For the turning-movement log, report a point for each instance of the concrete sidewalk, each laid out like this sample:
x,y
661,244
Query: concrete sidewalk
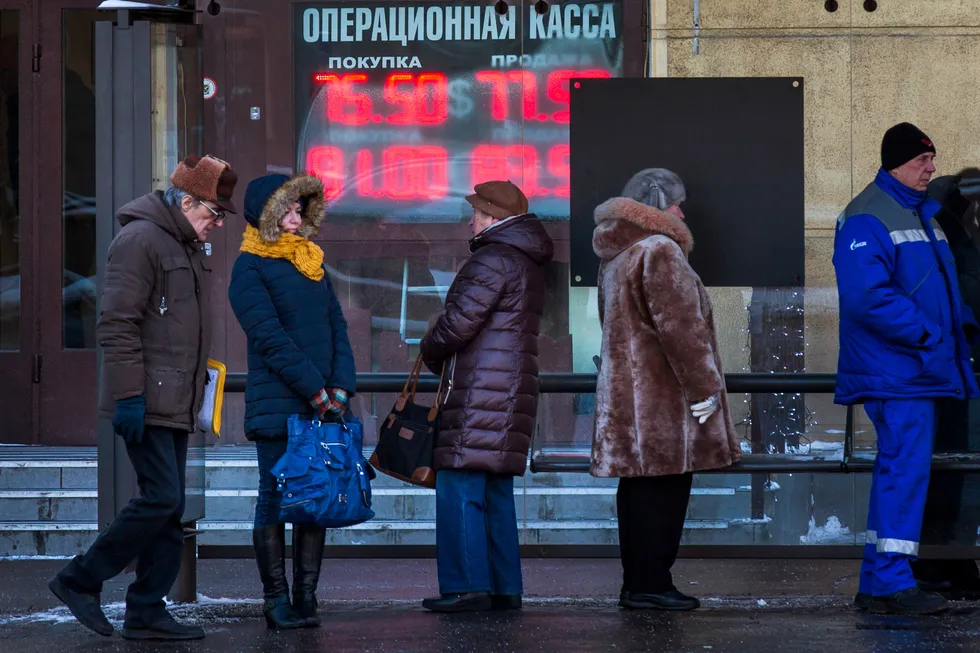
x,y
373,605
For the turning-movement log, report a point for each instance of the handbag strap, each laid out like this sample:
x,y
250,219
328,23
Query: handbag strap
x,y
411,385
434,411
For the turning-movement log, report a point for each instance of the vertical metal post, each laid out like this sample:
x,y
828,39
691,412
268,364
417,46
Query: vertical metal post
x,y
185,589
124,168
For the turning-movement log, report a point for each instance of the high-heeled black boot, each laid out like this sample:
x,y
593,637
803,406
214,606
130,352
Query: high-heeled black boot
x,y
307,559
270,555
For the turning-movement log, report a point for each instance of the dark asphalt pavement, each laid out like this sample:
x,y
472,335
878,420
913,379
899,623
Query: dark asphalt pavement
x,y
372,605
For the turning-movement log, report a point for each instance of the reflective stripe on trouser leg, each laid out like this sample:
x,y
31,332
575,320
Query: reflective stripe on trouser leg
x,y
870,542
901,480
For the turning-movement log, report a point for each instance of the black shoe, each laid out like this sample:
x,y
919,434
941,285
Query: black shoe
x,y
87,608
270,556
672,600
469,602
910,601
505,601
161,626
862,601
307,559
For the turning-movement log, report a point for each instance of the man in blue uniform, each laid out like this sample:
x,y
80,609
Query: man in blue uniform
x,y
903,345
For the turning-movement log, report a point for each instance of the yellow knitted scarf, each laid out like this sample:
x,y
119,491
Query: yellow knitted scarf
x,y
303,253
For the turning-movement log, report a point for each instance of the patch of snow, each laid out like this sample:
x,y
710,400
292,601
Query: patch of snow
x,y
207,600
2,558
762,603
772,486
745,446
765,520
833,532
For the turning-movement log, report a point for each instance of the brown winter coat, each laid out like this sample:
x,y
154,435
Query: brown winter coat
x,y
659,351
489,333
154,326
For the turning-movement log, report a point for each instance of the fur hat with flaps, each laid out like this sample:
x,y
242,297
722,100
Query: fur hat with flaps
x,y
269,198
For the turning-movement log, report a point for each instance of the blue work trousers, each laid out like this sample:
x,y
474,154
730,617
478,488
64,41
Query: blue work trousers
x,y
899,487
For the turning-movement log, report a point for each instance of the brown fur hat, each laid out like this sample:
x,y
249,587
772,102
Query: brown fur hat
x,y
207,178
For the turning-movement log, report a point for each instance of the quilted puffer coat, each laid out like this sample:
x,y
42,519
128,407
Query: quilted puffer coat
x,y
489,334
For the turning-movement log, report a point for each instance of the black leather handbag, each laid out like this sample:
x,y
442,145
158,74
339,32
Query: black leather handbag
x,y
408,435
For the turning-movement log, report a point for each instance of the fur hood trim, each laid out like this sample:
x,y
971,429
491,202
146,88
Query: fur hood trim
x,y
622,222
306,189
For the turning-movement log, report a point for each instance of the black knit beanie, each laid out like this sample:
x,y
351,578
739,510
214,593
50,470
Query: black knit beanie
x,y
902,143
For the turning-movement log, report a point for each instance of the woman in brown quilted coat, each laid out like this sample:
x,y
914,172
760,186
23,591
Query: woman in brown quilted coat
x,y
661,408
488,334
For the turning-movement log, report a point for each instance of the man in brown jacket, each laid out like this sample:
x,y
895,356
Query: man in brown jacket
x,y
488,334
155,333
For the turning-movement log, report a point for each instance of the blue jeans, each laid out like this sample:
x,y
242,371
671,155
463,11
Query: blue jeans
x,y
477,546
268,453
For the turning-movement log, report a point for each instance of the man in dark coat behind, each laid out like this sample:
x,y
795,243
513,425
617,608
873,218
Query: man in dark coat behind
x,y
155,333
488,335
953,503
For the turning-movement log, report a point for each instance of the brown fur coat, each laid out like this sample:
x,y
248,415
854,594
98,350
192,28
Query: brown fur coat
x,y
659,351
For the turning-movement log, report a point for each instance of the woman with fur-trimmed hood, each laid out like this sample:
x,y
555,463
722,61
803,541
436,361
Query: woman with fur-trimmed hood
x,y
661,407
299,362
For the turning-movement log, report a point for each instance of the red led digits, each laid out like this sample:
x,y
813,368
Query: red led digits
x,y
558,167
558,88
327,163
344,104
518,163
432,98
498,92
394,94
407,172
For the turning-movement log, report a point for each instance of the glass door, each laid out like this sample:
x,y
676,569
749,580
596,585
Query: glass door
x,y
17,346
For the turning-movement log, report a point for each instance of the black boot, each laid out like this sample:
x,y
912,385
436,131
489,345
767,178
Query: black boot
x,y
270,555
672,600
307,558
910,601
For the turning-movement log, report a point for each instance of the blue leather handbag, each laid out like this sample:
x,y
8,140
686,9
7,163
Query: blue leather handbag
x,y
323,477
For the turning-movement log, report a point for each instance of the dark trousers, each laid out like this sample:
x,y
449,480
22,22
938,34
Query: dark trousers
x,y
651,513
945,520
268,453
148,529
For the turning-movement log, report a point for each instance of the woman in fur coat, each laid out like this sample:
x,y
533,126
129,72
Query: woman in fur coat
x,y
299,362
661,407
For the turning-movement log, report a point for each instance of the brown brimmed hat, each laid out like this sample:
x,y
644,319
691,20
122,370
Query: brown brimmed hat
x,y
500,199
207,178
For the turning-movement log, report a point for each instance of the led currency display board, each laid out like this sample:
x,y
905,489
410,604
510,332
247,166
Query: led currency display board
x,y
403,107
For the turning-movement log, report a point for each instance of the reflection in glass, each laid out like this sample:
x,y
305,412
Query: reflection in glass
x,y
78,178
9,185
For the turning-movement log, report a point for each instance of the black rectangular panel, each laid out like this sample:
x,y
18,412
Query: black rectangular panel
x,y
736,142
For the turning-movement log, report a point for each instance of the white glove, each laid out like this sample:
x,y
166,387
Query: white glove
x,y
705,409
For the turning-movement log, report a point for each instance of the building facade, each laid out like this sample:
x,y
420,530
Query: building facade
x,y
400,107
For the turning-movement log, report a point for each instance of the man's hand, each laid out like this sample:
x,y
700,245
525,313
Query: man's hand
x,y
129,419
705,409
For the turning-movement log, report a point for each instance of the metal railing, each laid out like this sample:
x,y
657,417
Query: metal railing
x,y
735,383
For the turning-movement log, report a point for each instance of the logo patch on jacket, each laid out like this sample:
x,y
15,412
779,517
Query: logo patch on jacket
x,y
855,244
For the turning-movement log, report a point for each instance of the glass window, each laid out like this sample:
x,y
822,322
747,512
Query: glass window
x,y
10,270
78,179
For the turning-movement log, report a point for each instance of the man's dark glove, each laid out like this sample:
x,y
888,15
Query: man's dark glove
x,y
129,419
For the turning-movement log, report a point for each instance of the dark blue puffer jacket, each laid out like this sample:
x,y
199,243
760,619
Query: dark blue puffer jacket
x,y
297,334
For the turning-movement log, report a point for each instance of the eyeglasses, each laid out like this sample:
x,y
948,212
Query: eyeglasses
x,y
218,215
